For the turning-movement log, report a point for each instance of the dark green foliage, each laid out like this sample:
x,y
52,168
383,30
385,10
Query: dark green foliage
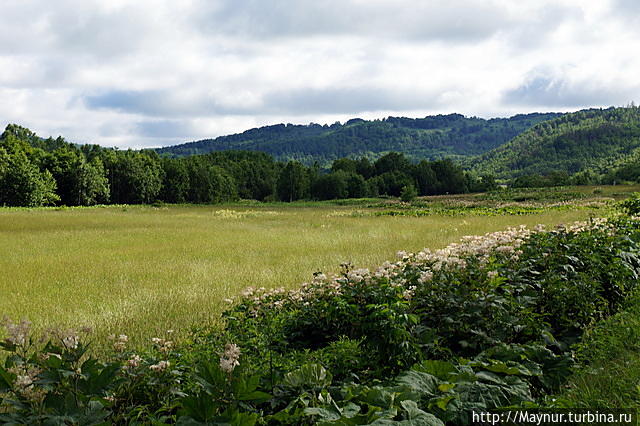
x,y
392,162
22,183
485,183
425,177
537,181
450,178
293,182
347,165
332,186
208,183
422,138
92,186
609,365
391,183
89,175
79,181
514,315
631,206
134,177
175,184
95,175
60,386
255,173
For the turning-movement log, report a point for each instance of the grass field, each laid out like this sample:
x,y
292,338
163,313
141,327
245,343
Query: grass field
x,y
142,270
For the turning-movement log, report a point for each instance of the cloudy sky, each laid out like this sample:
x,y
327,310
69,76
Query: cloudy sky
x,y
144,73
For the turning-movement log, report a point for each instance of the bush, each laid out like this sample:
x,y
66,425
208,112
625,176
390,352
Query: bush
x,y
408,193
631,206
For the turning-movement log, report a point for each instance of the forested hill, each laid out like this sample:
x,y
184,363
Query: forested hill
x,y
590,141
431,137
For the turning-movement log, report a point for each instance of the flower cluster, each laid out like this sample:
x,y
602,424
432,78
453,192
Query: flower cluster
x,y
600,223
160,366
69,338
133,362
230,358
120,342
425,264
162,345
25,382
18,333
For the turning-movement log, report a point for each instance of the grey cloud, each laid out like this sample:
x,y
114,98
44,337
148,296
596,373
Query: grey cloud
x,y
130,101
560,92
171,129
347,100
627,12
161,103
453,19
625,6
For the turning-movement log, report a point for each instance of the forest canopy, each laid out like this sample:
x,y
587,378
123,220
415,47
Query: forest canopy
x,y
430,138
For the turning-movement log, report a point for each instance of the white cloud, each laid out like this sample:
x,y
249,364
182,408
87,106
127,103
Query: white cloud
x,y
156,72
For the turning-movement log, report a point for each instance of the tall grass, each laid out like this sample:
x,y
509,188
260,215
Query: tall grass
x,y
143,270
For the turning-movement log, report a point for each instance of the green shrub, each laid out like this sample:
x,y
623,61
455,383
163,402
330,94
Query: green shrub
x,y
408,193
631,206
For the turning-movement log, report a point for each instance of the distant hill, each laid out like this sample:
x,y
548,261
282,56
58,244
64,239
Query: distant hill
x,y
589,140
432,137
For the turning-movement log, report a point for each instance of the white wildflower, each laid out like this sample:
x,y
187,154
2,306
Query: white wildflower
x,y
160,366
229,359
425,277
18,332
134,361
71,341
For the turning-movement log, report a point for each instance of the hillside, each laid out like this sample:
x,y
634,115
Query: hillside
x,y
431,137
590,140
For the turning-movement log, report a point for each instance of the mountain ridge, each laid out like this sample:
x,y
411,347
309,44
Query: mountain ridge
x,y
431,137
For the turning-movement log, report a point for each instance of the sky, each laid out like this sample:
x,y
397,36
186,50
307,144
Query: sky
x,y
148,73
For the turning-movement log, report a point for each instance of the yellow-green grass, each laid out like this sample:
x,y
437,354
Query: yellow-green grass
x,y
143,270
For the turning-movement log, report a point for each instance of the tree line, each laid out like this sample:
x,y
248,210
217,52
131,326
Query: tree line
x,y
36,172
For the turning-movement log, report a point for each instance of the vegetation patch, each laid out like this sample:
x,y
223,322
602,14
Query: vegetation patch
x,y
489,322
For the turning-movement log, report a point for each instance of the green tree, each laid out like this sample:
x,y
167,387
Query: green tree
x,y
392,162
330,186
175,184
345,164
135,177
391,183
23,184
293,183
364,168
209,183
356,186
408,193
451,179
425,178
92,186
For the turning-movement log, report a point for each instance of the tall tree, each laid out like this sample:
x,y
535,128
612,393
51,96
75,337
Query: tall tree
x,y
23,184
293,183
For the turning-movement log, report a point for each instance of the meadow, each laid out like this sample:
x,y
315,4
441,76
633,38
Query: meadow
x,y
530,317
142,270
